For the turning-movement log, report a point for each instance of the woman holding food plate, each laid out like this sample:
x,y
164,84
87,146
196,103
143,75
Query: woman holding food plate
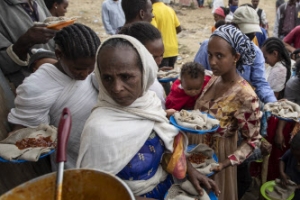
x,y
230,99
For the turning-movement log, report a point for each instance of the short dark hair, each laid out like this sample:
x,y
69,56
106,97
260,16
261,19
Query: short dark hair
x,y
120,42
142,31
226,10
49,3
132,8
295,143
77,41
193,69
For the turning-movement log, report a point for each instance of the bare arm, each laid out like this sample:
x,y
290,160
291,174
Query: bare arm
x,y
178,29
289,47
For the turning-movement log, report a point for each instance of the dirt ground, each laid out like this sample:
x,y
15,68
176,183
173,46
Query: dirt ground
x,y
196,23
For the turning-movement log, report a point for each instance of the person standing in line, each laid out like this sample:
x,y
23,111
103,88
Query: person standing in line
x,y
57,8
263,22
287,18
166,21
292,40
112,16
19,34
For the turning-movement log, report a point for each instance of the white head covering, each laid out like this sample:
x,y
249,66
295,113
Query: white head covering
x,y
113,134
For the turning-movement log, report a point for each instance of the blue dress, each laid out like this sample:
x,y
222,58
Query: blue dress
x,y
144,165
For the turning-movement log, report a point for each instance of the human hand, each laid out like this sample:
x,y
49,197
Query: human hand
x,y
284,178
198,179
279,140
39,34
170,112
217,168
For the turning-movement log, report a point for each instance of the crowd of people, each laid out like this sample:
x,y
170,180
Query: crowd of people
x,y
120,110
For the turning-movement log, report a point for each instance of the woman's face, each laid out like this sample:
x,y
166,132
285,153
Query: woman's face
x,y
220,56
61,8
270,58
156,48
121,74
77,69
218,17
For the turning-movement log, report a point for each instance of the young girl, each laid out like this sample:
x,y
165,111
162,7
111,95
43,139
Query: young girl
x,y
185,92
219,14
290,165
278,58
67,83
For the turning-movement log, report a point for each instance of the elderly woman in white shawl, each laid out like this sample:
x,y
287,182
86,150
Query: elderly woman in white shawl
x,y
128,131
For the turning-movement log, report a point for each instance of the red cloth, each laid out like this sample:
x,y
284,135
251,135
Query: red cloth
x,y
177,99
293,38
273,168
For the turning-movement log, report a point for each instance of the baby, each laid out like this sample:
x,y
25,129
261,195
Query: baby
x,y
185,92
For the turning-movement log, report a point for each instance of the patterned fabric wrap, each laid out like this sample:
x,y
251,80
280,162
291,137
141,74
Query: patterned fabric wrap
x,y
145,164
146,161
239,42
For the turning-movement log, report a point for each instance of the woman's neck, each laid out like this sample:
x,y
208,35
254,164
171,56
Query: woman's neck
x,y
230,77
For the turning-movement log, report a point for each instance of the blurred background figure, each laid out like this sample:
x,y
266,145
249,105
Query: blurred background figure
x,y
57,8
263,22
112,16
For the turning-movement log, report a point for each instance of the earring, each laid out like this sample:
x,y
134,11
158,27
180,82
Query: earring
x,y
55,7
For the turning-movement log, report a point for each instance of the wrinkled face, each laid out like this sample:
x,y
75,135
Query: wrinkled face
x,y
218,17
77,69
62,8
191,86
156,48
220,56
147,14
121,74
255,3
270,58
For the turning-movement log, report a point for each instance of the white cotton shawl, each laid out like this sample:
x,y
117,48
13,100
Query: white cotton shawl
x,y
44,94
114,134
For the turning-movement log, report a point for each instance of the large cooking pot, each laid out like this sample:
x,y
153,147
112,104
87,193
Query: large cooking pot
x,y
78,184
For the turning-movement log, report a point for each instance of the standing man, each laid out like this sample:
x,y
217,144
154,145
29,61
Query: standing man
x,y
112,16
137,10
166,21
287,18
261,14
19,34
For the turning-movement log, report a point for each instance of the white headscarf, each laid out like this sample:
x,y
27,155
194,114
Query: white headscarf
x,y
113,134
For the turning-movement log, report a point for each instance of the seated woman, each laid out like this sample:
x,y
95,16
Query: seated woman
x,y
230,99
128,132
68,83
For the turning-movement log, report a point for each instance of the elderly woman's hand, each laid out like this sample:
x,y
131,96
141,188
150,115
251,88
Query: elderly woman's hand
x,y
198,179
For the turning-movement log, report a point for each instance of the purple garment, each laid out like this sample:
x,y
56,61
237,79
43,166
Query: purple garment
x,y
289,19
